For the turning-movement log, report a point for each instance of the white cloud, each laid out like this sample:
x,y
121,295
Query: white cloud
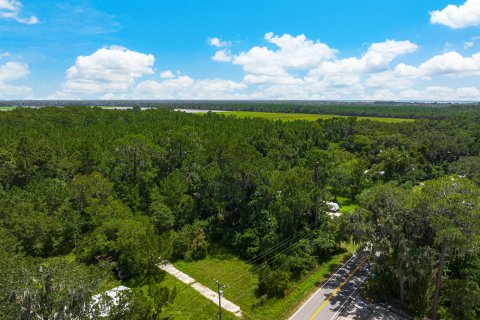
x,y
115,96
4,55
451,64
441,93
377,58
347,76
390,79
111,69
457,17
470,43
222,56
10,91
11,10
12,71
218,43
185,87
429,93
288,67
166,74
263,65
383,95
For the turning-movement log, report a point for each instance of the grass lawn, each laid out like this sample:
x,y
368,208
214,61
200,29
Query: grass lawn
x,y
346,205
303,116
241,282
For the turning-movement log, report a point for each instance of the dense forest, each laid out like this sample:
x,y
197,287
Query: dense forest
x,y
410,110
88,194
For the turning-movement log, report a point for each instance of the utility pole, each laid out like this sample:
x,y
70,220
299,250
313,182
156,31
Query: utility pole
x,y
220,293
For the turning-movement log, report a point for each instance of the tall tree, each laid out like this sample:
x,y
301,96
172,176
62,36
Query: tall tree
x,y
454,210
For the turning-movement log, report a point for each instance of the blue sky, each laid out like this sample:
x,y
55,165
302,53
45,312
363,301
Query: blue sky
x,y
336,49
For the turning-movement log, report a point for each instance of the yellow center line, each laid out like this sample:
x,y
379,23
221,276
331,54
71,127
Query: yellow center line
x,y
334,293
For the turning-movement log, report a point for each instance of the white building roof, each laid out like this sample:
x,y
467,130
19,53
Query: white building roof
x,y
333,206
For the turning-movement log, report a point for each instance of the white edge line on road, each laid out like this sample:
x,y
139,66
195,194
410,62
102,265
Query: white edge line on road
x,y
313,295
349,297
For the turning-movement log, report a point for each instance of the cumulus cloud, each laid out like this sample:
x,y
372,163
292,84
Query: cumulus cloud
x,y
12,9
450,64
116,72
441,93
287,67
9,72
263,65
350,71
13,71
111,69
218,43
377,58
222,56
166,74
185,87
457,17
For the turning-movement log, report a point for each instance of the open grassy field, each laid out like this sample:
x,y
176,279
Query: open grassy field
x,y
241,282
303,116
6,108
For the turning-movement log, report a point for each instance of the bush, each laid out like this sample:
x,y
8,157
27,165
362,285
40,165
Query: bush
x,y
190,243
273,283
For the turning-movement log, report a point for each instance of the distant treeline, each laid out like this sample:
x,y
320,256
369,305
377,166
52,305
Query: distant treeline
x,y
412,110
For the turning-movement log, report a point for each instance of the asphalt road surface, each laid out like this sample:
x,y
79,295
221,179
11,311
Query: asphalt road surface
x,y
328,301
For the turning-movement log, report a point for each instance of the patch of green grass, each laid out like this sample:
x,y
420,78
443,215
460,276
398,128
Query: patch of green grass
x,y
304,116
346,205
112,108
189,304
239,277
7,108
241,281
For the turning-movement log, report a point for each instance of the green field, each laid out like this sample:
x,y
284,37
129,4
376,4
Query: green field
x,y
304,116
6,108
241,282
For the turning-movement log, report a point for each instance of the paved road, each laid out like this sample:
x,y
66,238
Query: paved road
x,y
327,302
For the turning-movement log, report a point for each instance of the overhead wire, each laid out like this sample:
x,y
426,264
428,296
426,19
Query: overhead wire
x,y
256,258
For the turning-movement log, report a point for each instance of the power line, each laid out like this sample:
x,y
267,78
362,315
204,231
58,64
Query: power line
x,y
263,280
283,265
258,257
267,261
238,279
279,245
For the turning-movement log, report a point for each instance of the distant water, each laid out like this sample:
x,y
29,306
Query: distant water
x,y
197,111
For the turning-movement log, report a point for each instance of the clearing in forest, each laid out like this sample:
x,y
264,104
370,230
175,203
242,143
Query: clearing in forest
x,y
241,282
304,116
